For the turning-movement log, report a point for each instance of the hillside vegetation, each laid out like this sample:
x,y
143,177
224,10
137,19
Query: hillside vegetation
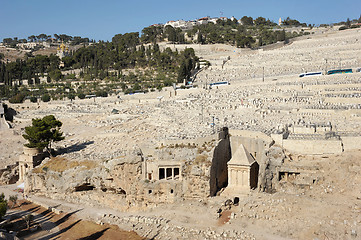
x,y
131,62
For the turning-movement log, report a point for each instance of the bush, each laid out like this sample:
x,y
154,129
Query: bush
x,y
55,75
3,205
45,98
101,94
33,99
128,91
28,218
71,76
18,98
13,199
81,95
71,96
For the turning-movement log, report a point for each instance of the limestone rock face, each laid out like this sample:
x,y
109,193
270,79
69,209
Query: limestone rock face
x,y
171,172
275,158
196,170
9,175
132,181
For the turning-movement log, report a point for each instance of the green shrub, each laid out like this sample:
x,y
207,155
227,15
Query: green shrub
x,y
81,95
33,99
3,205
45,98
71,76
101,94
71,96
18,98
55,75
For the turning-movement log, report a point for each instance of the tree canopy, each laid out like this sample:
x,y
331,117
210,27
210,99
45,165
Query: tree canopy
x,y
131,61
292,22
43,132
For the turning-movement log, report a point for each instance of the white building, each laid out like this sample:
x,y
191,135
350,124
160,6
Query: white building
x,y
28,45
62,51
184,25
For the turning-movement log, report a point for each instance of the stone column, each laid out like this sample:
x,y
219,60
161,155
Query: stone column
x,y
245,180
20,172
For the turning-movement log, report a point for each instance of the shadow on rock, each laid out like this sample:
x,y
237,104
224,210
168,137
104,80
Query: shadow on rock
x,y
74,148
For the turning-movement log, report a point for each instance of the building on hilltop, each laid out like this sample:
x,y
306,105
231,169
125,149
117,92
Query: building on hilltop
x,y
62,51
202,21
184,25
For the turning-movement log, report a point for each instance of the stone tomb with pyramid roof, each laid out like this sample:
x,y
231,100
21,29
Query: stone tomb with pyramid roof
x,y
242,171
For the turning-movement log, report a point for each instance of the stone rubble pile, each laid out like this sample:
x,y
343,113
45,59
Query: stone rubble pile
x,y
160,228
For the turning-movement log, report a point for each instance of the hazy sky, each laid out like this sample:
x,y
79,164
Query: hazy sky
x,y
102,19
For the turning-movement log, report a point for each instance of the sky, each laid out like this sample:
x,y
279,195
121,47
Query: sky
x,y
102,19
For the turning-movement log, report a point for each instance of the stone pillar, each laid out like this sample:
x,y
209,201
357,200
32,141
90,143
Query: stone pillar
x,y
248,176
20,172
245,180
235,177
145,169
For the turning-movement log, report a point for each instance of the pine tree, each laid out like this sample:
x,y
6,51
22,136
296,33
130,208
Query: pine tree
x,y
182,73
200,38
43,132
348,22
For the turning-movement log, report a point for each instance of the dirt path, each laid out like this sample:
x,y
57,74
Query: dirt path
x,y
72,223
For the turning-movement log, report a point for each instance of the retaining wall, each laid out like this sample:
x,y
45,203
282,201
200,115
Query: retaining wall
x,y
351,143
313,146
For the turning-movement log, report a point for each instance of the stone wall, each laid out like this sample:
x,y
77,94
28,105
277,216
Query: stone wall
x,y
351,143
313,146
